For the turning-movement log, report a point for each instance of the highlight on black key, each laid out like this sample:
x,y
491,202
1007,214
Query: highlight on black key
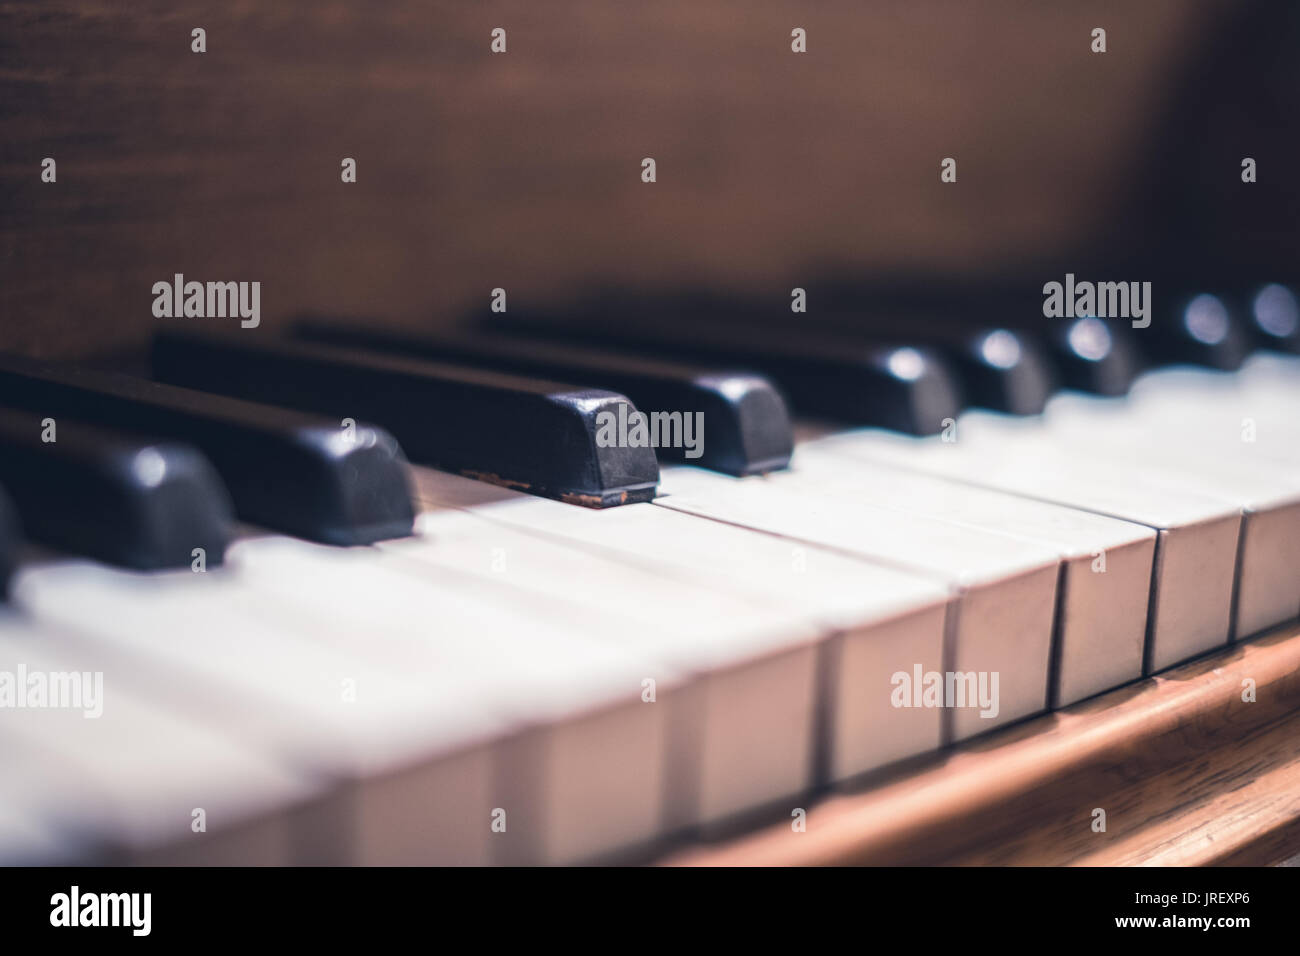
x,y
123,499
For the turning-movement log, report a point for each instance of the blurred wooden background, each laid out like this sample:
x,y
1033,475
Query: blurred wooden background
x,y
522,170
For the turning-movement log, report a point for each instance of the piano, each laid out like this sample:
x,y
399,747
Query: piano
x,y
640,546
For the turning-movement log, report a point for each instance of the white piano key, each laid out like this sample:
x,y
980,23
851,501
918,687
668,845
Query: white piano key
x,y
136,774
408,757
1196,546
27,840
1164,443
1106,563
586,774
881,621
30,833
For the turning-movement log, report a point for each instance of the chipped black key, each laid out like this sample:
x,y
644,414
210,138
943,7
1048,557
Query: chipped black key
x,y
902,388
10,540
108,495
550,439
302,474
730,421
1000,368
1090,354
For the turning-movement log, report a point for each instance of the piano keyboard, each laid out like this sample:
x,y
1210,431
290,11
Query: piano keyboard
x,y
242,628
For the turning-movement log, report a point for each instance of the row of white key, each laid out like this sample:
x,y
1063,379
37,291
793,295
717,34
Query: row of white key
x,y
423,733
1181,447
859,624
1105,563
1002,589
1196,545
261,650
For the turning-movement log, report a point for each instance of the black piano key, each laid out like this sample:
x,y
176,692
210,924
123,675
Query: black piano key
x,y
535,435
1271,313
298,473
1000,368
119,498
902,388
10,541
1195,328
1092,355
745,427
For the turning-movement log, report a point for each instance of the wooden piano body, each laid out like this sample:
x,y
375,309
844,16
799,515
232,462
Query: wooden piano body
x,y
521,171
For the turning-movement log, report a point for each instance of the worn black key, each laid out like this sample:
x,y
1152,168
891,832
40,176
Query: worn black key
x,y
902,388
730,421
1197,328
1271,313
539,436
302,474
120,498
1091,354
1000,368
10,540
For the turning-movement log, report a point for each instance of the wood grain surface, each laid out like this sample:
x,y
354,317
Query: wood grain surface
x,y
522,170
1187,772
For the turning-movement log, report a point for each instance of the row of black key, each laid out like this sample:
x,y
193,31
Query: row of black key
x,y
299,473
851,361
904,387
470,402
906,372
10,542
339,481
